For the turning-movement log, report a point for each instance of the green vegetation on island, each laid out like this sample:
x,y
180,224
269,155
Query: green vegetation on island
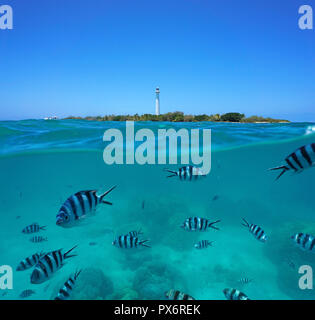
x,y
181,117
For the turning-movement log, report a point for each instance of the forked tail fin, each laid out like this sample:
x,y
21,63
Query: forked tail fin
x,y
211,225
66,255
246,223
283,168
174,173
142,243
106,193
77,274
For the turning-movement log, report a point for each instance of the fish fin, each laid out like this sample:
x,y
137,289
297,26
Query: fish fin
x,y
66,255
43,227
168,170
245,225
106,193
283,168
210,243
107,202
142,243
77,274
174,173
210,225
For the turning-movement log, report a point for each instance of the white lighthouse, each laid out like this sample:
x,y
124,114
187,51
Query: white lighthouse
x,y
157,101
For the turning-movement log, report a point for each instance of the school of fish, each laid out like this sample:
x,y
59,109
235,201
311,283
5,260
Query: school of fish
x,y
83,204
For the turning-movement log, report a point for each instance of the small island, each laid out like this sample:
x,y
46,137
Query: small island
x,y
181,117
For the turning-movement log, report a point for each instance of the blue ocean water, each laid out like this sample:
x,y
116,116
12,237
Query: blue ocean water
x,y
44,162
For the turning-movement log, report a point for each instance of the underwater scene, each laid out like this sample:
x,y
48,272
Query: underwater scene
x,y
74,227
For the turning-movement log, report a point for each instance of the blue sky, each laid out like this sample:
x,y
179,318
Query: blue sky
x,y
106,57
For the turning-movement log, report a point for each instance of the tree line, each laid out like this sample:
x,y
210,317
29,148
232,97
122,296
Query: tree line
x,y
179,116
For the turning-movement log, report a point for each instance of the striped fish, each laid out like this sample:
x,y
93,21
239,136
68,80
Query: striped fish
x,y
29,261
79,205
186,173
26,293
198,224
135,233
256,231
32,228
304,241
233,294
65,292
302,158
245,280
128,242
49,264
203,244
177,295
37,239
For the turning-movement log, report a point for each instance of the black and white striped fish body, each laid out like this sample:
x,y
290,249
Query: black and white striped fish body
x,y
37,239
79,205
66,291
128,242
198,224
26,293
244,280
304,241
135,233
29,261
33,228
299,160
203,244
256,231
187,173
49,264
234,294
178,295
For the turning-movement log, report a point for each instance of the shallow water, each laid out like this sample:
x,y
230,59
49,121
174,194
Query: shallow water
x,y
44,162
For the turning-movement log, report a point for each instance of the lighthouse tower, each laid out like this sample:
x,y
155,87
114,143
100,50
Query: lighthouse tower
x,y
157,101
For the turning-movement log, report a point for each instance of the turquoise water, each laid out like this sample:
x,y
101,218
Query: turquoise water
x,y
44,162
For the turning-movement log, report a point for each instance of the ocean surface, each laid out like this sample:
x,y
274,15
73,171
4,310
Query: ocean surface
x,y
42,163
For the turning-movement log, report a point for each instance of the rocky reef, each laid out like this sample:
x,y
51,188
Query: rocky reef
x,y
287,257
